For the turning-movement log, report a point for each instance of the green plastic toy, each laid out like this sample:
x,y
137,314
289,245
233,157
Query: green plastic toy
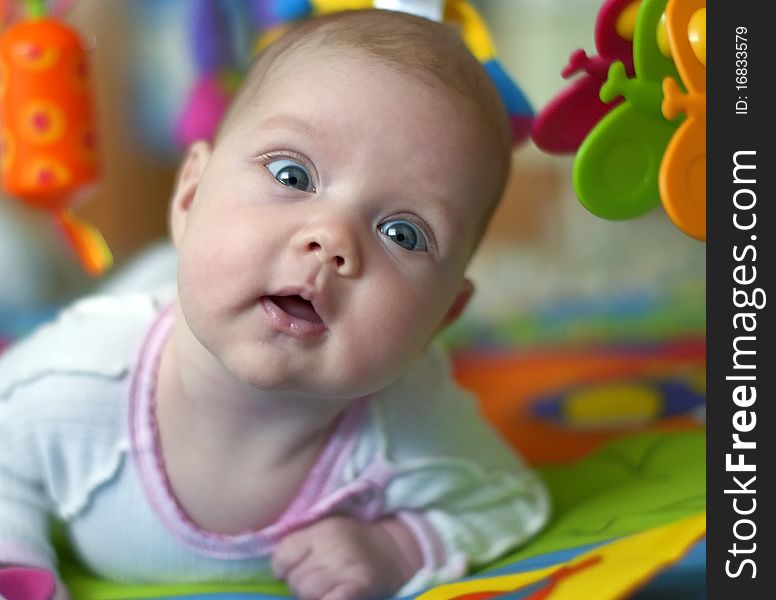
x,y
615,172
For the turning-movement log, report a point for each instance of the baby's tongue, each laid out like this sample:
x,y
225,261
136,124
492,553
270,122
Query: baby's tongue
x,y
298,307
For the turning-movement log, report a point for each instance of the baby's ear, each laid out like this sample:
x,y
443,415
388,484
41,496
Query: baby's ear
x,y
186,183
459,304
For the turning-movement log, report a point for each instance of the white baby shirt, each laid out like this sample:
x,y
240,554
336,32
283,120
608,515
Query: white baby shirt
x,y
78,441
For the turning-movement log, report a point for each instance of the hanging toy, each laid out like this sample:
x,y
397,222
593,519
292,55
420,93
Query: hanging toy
x,y
47,137
682,179
216,64
642,151
477,38
615,171
562,125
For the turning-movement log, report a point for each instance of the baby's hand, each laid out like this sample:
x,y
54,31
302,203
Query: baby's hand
x,y
340,558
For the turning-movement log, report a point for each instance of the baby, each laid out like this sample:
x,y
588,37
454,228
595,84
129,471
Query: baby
x,y
284,412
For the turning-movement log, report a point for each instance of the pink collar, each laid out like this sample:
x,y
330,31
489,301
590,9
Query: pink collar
x,y
317,496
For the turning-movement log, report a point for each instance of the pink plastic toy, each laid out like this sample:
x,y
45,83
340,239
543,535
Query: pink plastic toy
x,y
564,123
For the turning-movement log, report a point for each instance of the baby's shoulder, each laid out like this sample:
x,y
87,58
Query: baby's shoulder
x,y
426,390
96,337
426,413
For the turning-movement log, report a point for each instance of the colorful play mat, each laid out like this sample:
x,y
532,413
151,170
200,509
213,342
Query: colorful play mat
x,y
617,433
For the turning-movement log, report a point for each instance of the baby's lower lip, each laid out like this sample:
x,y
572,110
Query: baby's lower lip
x,y
289,324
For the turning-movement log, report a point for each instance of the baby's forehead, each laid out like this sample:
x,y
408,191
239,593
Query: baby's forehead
x,y
311,55
449,69
465,87
418,48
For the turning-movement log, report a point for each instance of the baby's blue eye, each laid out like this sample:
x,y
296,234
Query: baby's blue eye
x,y
291,174
405,234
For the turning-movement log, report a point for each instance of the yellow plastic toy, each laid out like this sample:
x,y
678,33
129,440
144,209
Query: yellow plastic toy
x,y
682,177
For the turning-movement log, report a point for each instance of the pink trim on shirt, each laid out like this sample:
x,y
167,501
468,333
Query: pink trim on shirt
x,y
431,548
328,468
314,500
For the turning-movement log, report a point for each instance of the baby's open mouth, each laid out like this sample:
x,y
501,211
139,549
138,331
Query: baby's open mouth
x,y
297,307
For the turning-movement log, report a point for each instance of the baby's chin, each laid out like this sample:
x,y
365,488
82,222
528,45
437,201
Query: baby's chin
x,y
306,384
331,371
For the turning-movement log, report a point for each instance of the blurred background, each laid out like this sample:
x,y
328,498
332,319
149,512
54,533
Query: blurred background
x,y
548,271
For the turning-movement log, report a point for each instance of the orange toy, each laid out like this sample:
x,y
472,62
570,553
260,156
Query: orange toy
x,y
47,137
682,178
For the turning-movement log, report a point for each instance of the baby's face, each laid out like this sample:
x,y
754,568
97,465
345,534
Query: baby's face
x,y
331,226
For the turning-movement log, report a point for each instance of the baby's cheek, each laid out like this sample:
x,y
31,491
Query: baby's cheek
x,y
190,281
207,268
200,292
380,351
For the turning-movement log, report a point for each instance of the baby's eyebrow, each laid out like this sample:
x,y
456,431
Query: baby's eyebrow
x,y
289,122
454,221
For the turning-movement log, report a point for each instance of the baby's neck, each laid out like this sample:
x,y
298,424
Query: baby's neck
x,y
198,390
234,456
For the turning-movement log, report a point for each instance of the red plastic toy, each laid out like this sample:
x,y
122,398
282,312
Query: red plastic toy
x,y
563,124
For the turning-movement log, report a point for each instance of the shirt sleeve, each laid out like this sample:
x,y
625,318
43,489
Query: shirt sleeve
x,y
24,505
465,495
475,528
59,424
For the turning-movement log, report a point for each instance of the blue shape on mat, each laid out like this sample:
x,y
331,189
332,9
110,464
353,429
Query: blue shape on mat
x,y
686,580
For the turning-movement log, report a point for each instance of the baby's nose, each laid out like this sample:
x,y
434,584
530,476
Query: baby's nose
x,y
335,245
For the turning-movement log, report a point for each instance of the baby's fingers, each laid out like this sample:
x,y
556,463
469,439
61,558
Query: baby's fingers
x,y
289,554
347,590
314,583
